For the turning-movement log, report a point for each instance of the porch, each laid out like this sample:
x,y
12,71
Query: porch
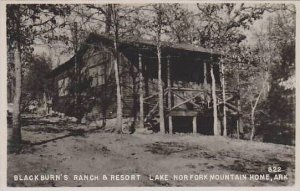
x,y
189,99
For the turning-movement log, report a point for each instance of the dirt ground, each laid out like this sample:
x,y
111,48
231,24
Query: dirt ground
x,y
68,149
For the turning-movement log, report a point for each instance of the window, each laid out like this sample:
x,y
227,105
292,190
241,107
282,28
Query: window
x,y
63,87
97,73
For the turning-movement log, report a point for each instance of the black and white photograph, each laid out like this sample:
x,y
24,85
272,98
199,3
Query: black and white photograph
x,y
195,94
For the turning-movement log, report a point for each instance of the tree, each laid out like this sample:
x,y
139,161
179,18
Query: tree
x,y
214,97
24,23
180,23
115,24
118,22
219,29
158,24
277,120
164,23
261,64
160,86
35,82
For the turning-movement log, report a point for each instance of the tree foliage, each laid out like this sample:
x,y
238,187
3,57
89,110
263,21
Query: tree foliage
x,y
278,121
36,83
24,23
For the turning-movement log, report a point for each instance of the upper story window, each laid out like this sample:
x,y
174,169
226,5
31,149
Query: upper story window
x,y
63,86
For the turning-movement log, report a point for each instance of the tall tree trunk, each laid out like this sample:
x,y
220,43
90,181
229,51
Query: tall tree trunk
x,y
214,96
119,96
252,124
76,74
224,102
239,120
115,21
16,131
141,92
160,94
108,24
238,126
160,86
253,112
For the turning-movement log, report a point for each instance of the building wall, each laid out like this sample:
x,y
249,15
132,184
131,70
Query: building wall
x,y
97,95
96,98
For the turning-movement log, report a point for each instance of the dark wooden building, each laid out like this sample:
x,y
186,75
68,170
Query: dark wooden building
x,y
85,85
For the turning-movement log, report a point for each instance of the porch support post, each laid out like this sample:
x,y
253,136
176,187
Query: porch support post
x,y
224,101
194,124
141,92
169,95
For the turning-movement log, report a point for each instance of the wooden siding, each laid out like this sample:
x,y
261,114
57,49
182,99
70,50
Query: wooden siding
x,y
99,102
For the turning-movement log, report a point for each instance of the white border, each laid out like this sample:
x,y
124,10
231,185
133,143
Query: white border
x,y
3,97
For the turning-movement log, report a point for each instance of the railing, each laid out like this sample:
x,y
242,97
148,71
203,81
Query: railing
x,y
200,99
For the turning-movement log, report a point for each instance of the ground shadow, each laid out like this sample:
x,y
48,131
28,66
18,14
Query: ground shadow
x,y
17,149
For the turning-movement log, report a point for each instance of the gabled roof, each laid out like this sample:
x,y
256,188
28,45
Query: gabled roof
x,y
124,44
